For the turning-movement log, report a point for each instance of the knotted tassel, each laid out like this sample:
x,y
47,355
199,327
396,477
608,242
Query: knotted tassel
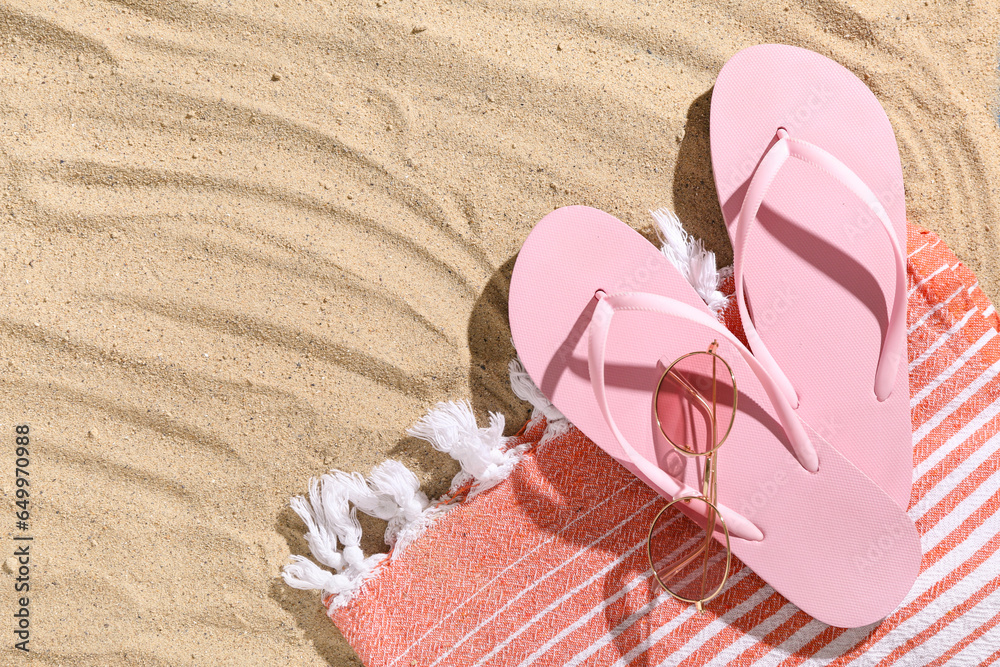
x,y
690,257
524,388
393,480
321,538
330,519
306,575
451,427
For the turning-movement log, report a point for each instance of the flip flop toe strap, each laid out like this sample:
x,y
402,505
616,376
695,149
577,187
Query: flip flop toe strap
x,y
892,350
600,325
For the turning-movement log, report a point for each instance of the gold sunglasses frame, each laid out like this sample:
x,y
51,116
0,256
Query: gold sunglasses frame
x,y
708,481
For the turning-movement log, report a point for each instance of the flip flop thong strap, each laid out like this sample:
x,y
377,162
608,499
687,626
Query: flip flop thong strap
x,y
892,349
600,325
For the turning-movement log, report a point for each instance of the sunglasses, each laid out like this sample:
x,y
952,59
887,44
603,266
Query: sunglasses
x,y
692,403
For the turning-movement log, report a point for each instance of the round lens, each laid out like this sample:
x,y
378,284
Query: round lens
x,y
695,403
690,562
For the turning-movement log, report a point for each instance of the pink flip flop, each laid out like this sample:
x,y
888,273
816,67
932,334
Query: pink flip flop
x,y
818,262
597,313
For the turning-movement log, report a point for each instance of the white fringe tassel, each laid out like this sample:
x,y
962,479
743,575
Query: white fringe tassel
x,y
392,492
330,519
524,388
695,263
451,427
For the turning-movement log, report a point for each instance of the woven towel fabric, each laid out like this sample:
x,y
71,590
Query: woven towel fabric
x,y
549,567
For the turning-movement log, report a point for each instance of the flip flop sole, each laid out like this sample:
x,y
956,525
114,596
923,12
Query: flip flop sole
x,y
834,543
818,267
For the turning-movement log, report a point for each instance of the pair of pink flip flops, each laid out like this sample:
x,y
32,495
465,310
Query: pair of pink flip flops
x,y
814,479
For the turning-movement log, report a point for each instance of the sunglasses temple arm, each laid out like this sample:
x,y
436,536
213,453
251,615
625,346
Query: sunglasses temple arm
x,y
709,529
708,478
703,549
684,563
681,380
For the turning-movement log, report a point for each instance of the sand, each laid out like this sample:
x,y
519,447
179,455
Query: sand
x,y
244,244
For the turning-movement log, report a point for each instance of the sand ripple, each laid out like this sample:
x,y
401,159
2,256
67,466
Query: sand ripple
x,y
242,245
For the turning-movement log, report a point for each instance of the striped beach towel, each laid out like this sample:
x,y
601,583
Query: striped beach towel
x,y
537,555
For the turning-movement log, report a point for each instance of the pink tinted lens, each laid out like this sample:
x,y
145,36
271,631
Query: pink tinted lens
x,y
684,403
